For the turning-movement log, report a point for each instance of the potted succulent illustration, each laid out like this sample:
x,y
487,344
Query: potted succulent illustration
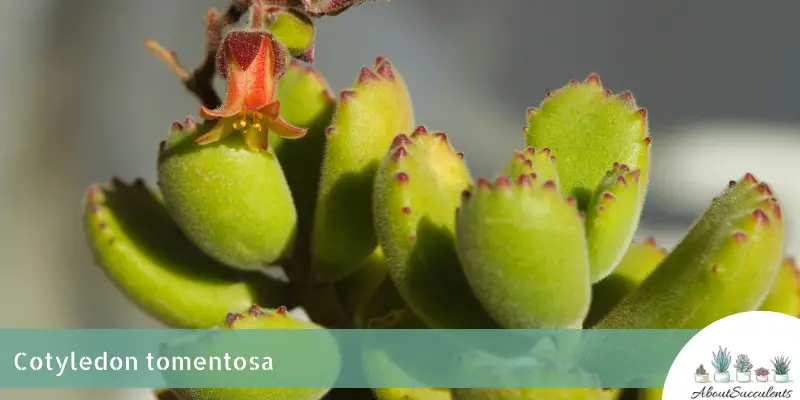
x,y
762,374
781,368
700,374
743,368
721,361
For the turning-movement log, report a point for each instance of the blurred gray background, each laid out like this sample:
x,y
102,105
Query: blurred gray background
x,y
81,99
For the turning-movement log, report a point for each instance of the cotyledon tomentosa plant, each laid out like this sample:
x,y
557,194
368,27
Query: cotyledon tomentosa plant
x,y
379,223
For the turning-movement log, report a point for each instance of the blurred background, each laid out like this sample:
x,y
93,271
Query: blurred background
x,y
82,100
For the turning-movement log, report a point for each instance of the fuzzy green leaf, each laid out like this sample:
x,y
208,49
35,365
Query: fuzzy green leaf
x,y
612,219
587,129
233,202
255,318
417,191
367,119
294,29
784,296
142,251
725,265
532,161
306,102
639,261
523,248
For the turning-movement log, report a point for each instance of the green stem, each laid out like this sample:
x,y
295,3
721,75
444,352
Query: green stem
x,y
318,299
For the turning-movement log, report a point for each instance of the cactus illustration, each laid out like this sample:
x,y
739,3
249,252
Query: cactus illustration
x,y
379,223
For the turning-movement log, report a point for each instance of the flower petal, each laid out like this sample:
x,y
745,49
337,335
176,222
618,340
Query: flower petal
x,y
256,139
285,130
234,98
220,131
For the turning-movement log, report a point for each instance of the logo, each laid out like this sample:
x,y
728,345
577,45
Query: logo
x,y
753,361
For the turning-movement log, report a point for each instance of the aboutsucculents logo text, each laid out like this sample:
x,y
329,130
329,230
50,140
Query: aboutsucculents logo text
x,y
737,378
731,359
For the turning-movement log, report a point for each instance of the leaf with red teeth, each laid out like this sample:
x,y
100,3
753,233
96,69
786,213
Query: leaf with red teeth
x,y
588,129
232,202
367,119
612,218
307,102
639,261
538,162
523,249
784,296
143,253
725,265
293,28
417,191
254,317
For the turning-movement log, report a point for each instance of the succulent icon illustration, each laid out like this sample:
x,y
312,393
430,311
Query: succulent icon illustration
x,y
721,361
762,374
781,368
700,374
378,222
743,368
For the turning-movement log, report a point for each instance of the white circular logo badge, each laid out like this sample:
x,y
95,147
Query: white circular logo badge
x,y
744,356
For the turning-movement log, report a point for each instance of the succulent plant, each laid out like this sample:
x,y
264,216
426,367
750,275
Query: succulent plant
x,y
781,365
701,370
743,363
761,371
378,222
721,359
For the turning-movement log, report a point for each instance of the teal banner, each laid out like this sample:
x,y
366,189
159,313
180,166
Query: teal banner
x,y
312,358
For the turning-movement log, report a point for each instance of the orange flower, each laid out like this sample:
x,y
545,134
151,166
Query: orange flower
x,y
251,62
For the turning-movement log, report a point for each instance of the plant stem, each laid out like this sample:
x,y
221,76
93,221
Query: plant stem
x,y
319,299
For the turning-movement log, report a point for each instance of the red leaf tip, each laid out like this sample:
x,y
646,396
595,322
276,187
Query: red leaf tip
x,y
401,140
525,180
420,131
255,311
231,318
760,216
593,79
399,153
366,75
502,181
764,189
386,70
346,94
